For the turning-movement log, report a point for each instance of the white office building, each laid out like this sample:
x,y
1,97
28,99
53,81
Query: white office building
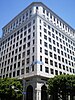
x,y
36,45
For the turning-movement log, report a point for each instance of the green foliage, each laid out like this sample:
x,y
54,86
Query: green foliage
x,y
62,85
6,90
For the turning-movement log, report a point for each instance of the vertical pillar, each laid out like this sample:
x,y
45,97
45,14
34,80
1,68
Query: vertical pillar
x,y
68,97
37,94
24,90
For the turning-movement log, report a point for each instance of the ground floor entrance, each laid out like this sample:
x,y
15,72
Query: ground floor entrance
x,y
36,90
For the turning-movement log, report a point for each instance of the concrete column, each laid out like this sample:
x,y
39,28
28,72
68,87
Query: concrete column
x,y
24,89
68,97
38,94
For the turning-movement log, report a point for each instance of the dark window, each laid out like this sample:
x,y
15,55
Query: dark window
x,y
32,67
46,60
40,67
27,69
52,71
46,69
51,62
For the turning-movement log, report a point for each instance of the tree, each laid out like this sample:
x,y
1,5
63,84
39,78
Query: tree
x,y
61,86
6,91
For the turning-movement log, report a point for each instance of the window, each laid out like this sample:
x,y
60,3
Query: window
x,y
58,50
45,37
57,44
49,39
40,20
16,44
59,58
61,52
20,49
23,62
17,38
50,46
53,35
53,41
52,29
11,60
45,30
49,33
51,62
23,54
29,30
33,21
33,27
25,39
56,37
25,33
15,58
33,49
54,48
28,44
46,69
24,46
16,50
22,71
50,53
63,67
25,27
59,65
19,64
18,72
43,10
28,60
32,67
55,56
41,49
45,44
40,27
40,58
46,52
62,59
33,34
48,27
15,66
52,71
60,34
55,64
27,69
14,74
46,60
50,15
56,72
21,35
32,58
67,68
10,75
40,67
28,37
28,52
33,41
19,56
29,24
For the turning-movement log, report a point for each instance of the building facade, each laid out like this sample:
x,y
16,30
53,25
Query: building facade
x,y
36,45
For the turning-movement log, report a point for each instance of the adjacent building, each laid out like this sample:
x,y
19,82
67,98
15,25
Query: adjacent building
x,y
36,45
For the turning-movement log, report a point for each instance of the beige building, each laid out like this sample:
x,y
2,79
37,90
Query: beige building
x,y
36,45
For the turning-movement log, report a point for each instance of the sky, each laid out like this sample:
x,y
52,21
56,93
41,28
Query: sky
x,y
63,8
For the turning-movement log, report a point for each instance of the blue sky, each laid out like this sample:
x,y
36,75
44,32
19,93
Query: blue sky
x,y
10,8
